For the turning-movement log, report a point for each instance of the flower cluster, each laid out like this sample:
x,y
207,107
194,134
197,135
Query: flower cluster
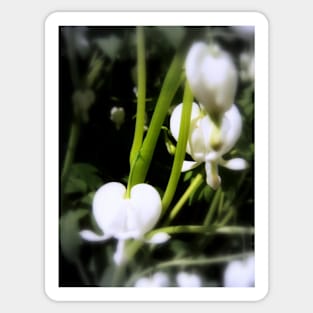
x,y
216,123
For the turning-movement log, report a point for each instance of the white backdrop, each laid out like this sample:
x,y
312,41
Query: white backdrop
x,y
21,166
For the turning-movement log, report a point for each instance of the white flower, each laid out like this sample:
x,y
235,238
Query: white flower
x,y
159,279
212,77
247,67
117,116
239,273
185,279
123,218
199,145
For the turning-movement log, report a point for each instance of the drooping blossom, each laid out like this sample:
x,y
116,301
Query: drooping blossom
x,y
212,77
124,218
199,145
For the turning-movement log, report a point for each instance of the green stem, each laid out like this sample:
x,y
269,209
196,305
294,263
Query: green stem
x,y
192,188
198,229
226,219
82,273
214,205
168,90
140,114
180,149
69,156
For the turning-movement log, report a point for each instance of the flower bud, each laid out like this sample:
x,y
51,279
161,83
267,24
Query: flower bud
x,y
212,77
117,116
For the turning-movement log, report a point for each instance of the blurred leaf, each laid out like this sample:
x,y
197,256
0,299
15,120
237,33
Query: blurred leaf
x,y
188,176
110,46
69,233
87,200
74,185
173,34
83,177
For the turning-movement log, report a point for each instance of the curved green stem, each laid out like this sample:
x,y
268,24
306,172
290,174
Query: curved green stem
x,y
214,205
180,149
199,229
168,90
192,188
141,99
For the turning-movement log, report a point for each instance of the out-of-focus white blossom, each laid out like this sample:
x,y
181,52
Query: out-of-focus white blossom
x,y
82,102
212,77
123,218
240,273
117,116
185,279
199,145
244,31
246,67
159,279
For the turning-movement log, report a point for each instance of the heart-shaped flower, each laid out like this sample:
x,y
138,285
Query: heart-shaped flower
x,y
239,273
124,218
212,77
199,145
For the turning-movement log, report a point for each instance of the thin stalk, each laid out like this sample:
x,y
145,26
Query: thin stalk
x,y
141,99
180,149
70,152
82,273
214,205
198,229
171,83
192,188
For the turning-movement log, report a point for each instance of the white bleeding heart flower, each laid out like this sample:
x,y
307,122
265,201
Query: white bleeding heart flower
x,y
117,116
124,218
185,279
199,145
212,77
159,279
246,67
240,273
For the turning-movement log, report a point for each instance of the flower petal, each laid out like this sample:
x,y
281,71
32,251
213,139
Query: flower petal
x,y
91,236
236,164
159,238
146,208
108,208
176,118
212,177
119,256
189,165
231,129
212,76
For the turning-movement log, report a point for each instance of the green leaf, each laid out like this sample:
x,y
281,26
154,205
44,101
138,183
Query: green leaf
x,y
74,185
109,46
87,200
82,178
69,233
